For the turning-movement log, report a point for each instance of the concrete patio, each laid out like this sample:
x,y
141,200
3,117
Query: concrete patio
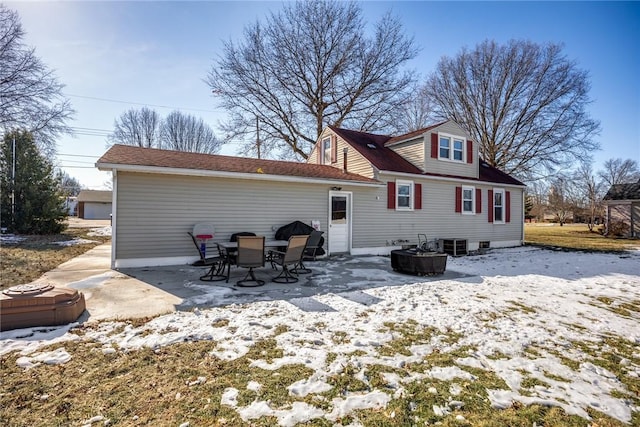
x,y
151,291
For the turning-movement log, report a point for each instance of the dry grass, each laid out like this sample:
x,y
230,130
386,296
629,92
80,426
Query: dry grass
x,y
25,261
185,383
574,236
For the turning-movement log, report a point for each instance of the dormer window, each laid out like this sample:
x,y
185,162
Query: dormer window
x,y
451,148
326,150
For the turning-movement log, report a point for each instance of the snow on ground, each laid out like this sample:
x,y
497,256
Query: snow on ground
x,y
74,242
102,231
509,302
11,239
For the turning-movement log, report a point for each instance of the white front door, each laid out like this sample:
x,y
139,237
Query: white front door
x,y
339,221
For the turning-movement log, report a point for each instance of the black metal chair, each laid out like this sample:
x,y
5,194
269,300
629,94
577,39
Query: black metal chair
x,y
250,255
313,244
292,256
215,263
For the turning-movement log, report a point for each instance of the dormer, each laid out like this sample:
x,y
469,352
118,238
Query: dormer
x,y
444,148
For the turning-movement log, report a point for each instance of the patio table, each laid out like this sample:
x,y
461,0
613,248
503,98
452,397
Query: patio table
x,y
267,244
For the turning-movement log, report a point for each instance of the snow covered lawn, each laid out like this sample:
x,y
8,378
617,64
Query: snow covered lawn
x,y
531,336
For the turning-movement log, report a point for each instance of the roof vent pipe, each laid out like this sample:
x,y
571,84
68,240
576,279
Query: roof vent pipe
x,y
344,159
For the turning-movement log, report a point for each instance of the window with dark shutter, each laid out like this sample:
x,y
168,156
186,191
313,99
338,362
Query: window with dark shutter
x,y
490,208
434,145
469,151
458,199
478,201
391,195
417,189
507,200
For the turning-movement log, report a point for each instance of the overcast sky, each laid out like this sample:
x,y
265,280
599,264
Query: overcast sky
x,y
113,56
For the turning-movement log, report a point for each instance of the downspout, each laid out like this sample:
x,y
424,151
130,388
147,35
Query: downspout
x,y
114,217
523,202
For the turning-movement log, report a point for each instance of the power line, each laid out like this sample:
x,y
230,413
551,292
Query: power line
x,y
77,161
138,103
77,155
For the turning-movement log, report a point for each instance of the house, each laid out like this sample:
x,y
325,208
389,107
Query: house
x,y
94,204
623,208
71,205
368,193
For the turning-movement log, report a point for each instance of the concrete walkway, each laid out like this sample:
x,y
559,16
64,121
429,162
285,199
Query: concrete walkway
x,y
152,291
108,293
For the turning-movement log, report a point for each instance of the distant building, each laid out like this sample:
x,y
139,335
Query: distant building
x,y
71,205
623,207
94,204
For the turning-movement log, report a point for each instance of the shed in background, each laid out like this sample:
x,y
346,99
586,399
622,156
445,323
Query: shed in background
x,y
94,204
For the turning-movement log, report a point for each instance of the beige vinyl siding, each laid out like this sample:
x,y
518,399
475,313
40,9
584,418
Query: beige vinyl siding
x,y
356,163
375,226
413,151
155,212
444,167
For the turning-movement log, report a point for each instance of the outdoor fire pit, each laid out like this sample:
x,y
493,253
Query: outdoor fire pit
x,y
413,261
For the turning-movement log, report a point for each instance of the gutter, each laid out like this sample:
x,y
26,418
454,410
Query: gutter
x,y
234,175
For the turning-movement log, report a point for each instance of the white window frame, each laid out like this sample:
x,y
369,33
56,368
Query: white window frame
x,y
326,151
502,206
452,139
402,183
472,200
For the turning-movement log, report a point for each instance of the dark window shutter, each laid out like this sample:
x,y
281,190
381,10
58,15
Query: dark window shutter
x,y
490,206
469,151
478,201
334,149
507,201
458,199
318,153
417,193
434,145
391,195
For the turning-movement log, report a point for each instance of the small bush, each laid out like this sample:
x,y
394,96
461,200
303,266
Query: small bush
x,y
619,229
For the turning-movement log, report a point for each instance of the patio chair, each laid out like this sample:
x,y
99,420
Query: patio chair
x,y
216,263
250,255
313,244
292,256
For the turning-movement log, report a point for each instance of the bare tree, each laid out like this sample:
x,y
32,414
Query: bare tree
x,y
561,202
308,66
590,192
524,103
69,186
30,95
137,127
538,192
619,171
184,132
416,113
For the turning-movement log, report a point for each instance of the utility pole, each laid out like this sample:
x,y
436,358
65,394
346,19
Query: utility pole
x,y
13,181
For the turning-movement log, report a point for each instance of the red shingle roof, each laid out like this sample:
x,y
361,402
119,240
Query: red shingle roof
x,y
375,149
151,157
413,134
372,147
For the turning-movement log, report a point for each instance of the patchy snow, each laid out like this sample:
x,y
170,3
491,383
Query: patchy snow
x,y
55,357
74,242
11,239
515,311
102,231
